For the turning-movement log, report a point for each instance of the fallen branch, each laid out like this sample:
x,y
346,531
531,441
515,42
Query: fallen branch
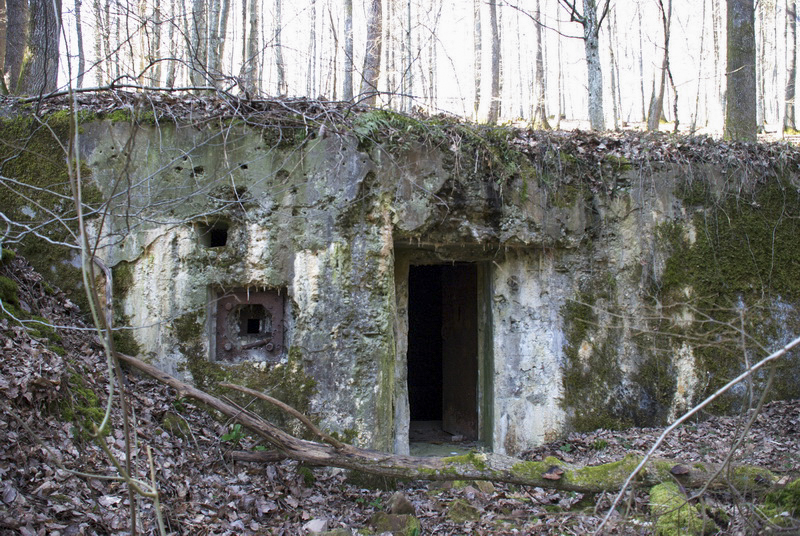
x,y
265,456
473,466
288,409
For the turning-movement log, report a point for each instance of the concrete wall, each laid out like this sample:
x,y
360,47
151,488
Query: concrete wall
x,y
570,277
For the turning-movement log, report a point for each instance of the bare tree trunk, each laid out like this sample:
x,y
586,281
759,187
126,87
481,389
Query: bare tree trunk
x,y
539,116
612,39
116,59
719,87
657,102
198,59
3,35
591,40
701,63
79,39
591,21
433,59
311,74
490,107
559,54
347,87
101,38
173,47
761,66
216,37
641,64
408,69
477,37
251,65
334,60
156,45
372,56
391,51
740,109
791,64
283,87
31,63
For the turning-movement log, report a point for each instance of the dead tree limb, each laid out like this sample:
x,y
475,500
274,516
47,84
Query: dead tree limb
x,y
288,409
472,466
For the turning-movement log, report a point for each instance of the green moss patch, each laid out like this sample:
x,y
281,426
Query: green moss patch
x,y
592,376
32,154
743,261
674,515
783,506
81,406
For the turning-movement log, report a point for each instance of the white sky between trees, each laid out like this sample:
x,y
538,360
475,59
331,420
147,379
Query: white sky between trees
x,y
452,35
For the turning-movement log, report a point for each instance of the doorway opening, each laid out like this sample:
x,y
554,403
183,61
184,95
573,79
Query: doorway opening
x,y
443,352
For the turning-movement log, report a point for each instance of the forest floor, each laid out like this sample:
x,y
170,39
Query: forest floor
x,y
52,380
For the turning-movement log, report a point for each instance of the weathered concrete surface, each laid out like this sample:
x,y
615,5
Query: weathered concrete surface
x,y
573,280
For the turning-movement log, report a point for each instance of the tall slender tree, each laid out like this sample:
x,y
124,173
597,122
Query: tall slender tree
x,y
612,41
591,19
791,64
490,78
283,87
79,42
477,43
539,115
198,52
657,100
408,67
740,109
311,74
372,56
251,64
347,88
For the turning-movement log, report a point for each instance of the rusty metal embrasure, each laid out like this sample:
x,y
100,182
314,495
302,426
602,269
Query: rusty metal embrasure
x,y
249,325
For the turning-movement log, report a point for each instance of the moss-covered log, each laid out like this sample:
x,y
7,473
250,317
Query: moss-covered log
x,y
472,466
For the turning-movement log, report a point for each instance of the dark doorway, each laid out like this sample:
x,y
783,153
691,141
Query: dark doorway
x,y
443,347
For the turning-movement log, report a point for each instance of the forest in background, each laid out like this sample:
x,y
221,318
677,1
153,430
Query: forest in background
x,y
521,61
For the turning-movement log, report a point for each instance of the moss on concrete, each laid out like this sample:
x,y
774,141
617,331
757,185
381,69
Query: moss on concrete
x,y
31,153
592,376
743,259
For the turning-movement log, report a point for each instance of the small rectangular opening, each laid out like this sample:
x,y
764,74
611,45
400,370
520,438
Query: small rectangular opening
x,y
218,238
212,235
253,325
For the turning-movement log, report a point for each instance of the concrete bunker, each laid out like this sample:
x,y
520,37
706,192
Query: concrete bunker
x,y
344,243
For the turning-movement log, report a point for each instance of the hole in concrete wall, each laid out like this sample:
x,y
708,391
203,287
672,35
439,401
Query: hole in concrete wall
x,y
443,351
253,320
249,325
212,235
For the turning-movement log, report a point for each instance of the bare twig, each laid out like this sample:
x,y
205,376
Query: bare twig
x,y
288,409
686,416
